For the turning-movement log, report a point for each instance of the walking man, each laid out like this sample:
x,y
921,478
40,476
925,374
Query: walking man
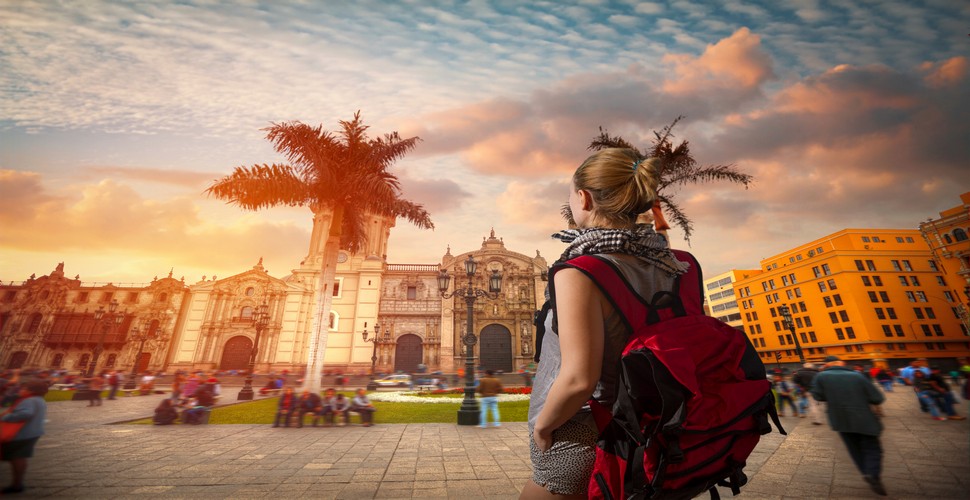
x,y
849,395
804,378
113,382
489,387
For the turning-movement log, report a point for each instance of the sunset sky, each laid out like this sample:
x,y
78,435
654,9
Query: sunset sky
x,y
115,116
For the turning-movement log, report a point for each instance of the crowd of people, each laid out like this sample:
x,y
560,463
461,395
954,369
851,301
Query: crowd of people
x,y
331,409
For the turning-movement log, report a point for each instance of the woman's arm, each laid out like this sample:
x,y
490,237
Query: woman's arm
x,y
23,412
580,312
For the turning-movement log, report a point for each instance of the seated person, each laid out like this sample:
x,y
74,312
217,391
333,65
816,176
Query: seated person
x,y
198,406
147,384
338,407
287,404
362,405
311,403
272,385
165,413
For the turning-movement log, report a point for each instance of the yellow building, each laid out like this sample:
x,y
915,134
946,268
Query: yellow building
x,y
869,296
720,300
947,238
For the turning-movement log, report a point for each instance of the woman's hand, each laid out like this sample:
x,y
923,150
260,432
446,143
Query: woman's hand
x,y
543,439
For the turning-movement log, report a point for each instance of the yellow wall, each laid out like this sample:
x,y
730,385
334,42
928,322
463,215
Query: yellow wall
x,y
835,257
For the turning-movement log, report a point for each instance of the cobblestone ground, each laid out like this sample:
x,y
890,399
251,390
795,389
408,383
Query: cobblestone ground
x,y
83,457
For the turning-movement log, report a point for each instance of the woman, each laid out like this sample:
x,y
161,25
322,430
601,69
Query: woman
x,y
285,407
609,191
32,410
165,413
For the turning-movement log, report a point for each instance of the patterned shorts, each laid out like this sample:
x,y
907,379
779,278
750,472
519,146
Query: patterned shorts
x,y
565,469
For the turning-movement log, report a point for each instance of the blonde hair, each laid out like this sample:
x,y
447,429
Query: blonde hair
x,y
622,184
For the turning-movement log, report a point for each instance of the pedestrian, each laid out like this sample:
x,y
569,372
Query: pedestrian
x,y
147,384
607,193
191,384
30,409
95,386
909,378
178,381
885,379
285,407
362,405
803,378
849,396
489,387
113,382
785,392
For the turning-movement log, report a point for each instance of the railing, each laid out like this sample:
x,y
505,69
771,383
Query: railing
x,y
84,338
424,268
410,306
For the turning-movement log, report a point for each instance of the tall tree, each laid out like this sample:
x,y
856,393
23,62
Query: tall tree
x,y
343,178
677,167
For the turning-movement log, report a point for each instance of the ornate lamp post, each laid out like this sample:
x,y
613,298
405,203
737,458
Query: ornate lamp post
x,y
106,322
260,322
372,385
468,413
141,337
786,319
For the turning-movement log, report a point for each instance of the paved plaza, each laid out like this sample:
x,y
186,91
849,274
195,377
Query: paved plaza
x,y
83,456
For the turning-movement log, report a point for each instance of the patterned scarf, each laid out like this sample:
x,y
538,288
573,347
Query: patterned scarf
x,y
641,241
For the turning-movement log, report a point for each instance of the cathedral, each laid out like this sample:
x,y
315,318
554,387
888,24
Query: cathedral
x,y
389,317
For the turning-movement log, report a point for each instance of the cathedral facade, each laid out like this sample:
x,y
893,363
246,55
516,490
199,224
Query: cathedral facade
x,y
386,317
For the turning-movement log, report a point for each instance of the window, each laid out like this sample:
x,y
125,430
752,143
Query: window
x,y
832,285
881,314
959,234
804,337
412,293
940,281
828,301
873,298
859,266
791,277
751,330
921,296
839,334
877,280
791,260
919,313
938,330
775,295
801,305
771,284
866,281
758,326
811,335
865,239
755,316
781,339
826,270
844,315
162,297
887,331
764,286
784,280
789,339
798,323
932,264
930,314
777,326
246,312
808,321
838,299
896,266
948,295
907,266
902,281
910,297
870,265
876,239
798,292
768,297
909,239
884,296
82,297
834,318
930,346
849,332
898,329
947,238
914,280
747,317
332,324
816,271
926,330
789,294
819,250
899,239
34,324
112,359
337,287
891,311
821,286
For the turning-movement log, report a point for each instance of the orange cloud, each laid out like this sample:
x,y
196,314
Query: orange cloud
x,y
945,74
734,61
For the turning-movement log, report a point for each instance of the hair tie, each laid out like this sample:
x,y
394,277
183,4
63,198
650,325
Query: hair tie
x,y
636,164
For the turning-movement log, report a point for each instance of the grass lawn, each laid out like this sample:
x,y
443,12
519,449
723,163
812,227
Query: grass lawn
x,y
263,411
54,396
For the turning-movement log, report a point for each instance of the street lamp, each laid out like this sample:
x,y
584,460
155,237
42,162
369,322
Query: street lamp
x,y
260,322
372,385
105,321
786,319
468,413
141,337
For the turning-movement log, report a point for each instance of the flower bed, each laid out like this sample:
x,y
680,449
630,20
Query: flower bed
x,y
438,397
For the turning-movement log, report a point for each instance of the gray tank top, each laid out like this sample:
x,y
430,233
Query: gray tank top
x,y
646,279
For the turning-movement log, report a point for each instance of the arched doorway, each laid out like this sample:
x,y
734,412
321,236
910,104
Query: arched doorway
x,y
407,355
17,360
235,355
496,348
142,364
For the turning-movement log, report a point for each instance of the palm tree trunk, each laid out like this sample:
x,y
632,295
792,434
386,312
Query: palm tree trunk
x,y
320,327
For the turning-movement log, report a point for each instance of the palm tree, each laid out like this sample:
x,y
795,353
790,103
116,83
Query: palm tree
x,y
343,178
677,167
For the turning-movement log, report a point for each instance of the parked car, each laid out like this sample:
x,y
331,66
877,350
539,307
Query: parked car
x,y
400,380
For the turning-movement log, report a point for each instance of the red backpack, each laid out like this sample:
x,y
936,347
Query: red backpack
x,y
693,398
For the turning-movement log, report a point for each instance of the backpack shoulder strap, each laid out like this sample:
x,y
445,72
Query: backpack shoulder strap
x,y
610,281
690,285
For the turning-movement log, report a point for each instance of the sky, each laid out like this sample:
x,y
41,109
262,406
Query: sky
x,y
115,117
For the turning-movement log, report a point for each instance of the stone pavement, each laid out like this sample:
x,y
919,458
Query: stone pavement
x,y
82,457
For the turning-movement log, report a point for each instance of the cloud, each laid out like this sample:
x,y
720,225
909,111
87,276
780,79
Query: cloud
x,y
737,61
436,195
183,178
